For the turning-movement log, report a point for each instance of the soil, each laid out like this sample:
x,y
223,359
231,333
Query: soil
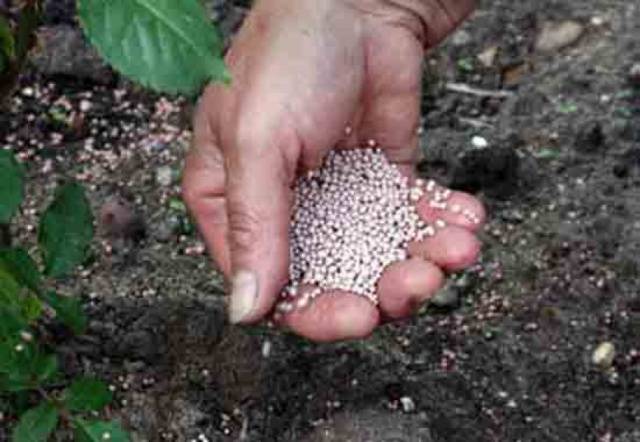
x,y
509,355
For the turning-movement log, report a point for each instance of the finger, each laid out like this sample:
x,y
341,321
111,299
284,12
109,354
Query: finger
x,y
258,205
392,100
406,285
334,316
459,209
452,248
203,190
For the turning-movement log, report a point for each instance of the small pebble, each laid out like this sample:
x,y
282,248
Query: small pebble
x,y
408,406
164,176
479,142
603,355
634,74
266,349
85,106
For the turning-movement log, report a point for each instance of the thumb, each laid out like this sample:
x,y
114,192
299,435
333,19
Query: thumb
x,y
258,203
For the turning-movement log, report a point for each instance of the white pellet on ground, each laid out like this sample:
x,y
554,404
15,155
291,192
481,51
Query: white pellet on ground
x,y
352,218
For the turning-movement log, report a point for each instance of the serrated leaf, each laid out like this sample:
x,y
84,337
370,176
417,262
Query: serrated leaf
x,y
20,265
168,45
37,424
68,311
11,186
66,230
99,431
87,395
7,44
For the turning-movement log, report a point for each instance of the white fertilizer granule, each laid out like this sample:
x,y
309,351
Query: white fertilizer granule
x,y
352,218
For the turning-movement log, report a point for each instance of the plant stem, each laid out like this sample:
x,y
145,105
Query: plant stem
x,y
28,21
5,236
64,413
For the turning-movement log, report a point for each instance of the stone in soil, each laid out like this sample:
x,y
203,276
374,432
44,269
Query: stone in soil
x,y
64,51
556,36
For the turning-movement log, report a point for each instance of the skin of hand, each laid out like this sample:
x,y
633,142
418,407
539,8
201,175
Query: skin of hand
x,y
302,71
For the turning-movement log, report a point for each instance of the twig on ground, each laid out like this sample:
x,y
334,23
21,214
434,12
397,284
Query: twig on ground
x,y
475,122
466,89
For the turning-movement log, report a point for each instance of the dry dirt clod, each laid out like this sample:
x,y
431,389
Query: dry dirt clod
x,y
488,56
558,35
634,75
118,219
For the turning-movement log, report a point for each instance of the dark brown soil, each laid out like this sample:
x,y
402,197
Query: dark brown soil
x,y
509,361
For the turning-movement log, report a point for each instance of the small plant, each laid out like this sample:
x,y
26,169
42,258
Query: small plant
x,y
465,64
167,45
31,384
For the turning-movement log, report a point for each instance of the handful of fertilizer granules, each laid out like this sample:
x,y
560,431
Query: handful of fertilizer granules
x,y
352,218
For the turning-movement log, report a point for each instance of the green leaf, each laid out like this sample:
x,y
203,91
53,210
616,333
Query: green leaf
x,y
6,356
567,108
87,395
99,431
37,424
25,366
11,318
11,321
68,311
178,205
31,308
11,186
66,230
154,41
20,265
465,65
7,44
546,153
9,288
45,368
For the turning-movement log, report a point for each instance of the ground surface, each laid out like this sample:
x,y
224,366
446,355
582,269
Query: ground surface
x,y
508,358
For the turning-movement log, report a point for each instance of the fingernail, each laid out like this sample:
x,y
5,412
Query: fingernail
x,y
244,292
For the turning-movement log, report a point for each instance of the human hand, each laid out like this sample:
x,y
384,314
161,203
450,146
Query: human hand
x,y
303,71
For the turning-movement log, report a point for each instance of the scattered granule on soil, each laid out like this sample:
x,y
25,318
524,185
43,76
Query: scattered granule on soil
x,y
352,218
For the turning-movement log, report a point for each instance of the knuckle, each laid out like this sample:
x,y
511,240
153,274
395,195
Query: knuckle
x,y
245,229
189,196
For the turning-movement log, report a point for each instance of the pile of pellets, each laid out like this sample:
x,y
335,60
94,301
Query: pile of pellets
x,y
351,219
